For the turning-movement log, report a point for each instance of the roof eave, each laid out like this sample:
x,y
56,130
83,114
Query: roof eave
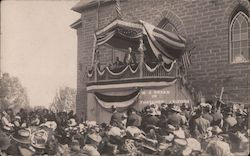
x,y
76,24
80,7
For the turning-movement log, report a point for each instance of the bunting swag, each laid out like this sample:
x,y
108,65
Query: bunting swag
x,y
121,102
158,65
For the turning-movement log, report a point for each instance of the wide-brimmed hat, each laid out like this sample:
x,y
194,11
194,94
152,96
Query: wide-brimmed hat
x,y
50,124
39,139
181,142
17,117
179,133
194,144
95,137
187,151
72,122
22,136
176,108
216,130
4,141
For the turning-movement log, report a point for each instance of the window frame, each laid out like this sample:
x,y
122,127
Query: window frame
x,y
231,39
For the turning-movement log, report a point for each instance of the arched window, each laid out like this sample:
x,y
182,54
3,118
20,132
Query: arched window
x,y
239,38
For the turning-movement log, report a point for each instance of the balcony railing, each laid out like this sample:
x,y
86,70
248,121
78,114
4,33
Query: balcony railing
x,y
133,72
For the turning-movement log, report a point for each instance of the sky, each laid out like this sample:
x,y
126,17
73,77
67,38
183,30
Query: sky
x,y
38,46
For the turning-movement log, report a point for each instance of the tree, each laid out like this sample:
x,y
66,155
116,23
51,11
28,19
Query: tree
x,y
12,93
64,100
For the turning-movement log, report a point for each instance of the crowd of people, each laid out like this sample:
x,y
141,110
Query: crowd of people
x,y
208,129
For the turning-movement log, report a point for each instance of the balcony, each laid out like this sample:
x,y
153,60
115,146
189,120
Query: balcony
x,y
132,72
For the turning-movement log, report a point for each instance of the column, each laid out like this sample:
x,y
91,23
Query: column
x,y
141,50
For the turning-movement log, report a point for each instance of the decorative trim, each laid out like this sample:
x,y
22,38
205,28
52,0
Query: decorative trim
x,y
133,84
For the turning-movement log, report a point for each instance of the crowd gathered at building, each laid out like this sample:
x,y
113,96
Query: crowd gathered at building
x,y
211,129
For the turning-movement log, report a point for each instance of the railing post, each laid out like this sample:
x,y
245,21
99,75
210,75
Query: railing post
x,y
141,50
95,71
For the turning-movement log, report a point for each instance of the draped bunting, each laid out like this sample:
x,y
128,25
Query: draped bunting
x,y
101,73
90,73
121,102
122,34
115,74
158,65
103,38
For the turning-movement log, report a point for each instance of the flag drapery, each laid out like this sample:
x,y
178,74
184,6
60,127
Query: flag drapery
x,y
118,9
121,102
122,34
186,60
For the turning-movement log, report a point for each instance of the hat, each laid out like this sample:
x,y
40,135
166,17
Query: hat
x,y
194,144
91,123
75,146
179,133
4,141
39,139
95,137
50,124
187,151
181,142
72,122
18,117
22,136
216,130
176,108
170,128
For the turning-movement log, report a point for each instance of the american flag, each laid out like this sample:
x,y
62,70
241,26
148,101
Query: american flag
x,y
186,59
118,9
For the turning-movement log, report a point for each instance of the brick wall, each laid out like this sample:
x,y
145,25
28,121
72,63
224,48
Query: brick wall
x,y
205,25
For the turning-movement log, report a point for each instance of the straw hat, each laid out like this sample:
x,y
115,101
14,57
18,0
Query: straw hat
x,y
179,133
50,124
181,142
187,151
39,139
216,130
22,136
95,137
194,144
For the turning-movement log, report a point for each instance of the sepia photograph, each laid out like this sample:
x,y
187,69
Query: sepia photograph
x,y
125,78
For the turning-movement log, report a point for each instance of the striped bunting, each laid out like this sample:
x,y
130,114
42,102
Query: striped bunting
x,y
118,9
186,60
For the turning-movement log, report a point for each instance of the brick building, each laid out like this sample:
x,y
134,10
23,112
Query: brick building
x,y
216,31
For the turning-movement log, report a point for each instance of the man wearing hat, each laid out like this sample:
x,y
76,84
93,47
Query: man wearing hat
x,y
216,145
116,118
91,145
21,144
200,124
229,120
174,117
133,118
206,114
6,122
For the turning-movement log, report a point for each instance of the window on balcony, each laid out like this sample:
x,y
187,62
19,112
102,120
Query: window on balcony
x,y
239,38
